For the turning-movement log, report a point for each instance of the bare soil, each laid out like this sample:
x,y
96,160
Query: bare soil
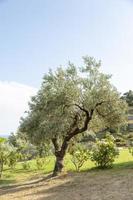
x,y
93,185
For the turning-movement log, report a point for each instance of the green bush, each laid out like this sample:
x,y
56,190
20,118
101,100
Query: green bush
x,y
79,155
104,152
26,165
6,151
41,163
12,159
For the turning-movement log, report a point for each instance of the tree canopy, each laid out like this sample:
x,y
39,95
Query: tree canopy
x,y
71,101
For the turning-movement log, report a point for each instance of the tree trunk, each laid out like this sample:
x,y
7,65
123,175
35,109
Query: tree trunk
x,y
74,130
59,154
58,164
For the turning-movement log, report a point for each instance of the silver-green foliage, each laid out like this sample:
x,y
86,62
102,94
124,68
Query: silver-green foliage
x,y
70,101
63,96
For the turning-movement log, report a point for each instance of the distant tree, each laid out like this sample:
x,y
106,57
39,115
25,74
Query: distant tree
x,y
12,139
128,97
5,153
23,147
70,102
13,158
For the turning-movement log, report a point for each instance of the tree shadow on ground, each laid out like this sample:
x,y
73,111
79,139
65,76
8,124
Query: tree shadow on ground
x,y
78,185
16,187
95,184
6,182
123,165
48,189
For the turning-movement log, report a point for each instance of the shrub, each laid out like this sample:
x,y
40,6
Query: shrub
x,y
12,159
5,152
79,155
26,165
104,152
41,163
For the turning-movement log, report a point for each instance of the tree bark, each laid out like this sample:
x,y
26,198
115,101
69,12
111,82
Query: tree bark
x,y
59,154
58,165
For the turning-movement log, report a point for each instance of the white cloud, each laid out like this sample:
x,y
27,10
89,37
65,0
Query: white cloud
x,y
14,99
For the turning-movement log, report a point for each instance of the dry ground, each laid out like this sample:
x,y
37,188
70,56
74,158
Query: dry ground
x,y
93,185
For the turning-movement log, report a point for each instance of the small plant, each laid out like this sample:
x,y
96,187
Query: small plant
x,y
12,159
26,165
104,152
79,155
41,163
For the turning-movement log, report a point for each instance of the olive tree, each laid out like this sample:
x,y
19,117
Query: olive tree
x,y
71,101
6,153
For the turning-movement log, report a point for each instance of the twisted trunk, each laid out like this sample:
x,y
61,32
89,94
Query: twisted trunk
x,y
58,165
59,154
74,130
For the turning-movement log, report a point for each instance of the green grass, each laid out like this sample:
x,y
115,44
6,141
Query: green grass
x,y
125,160
17,175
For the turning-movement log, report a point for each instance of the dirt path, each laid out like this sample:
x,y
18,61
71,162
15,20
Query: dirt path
x,y
99,185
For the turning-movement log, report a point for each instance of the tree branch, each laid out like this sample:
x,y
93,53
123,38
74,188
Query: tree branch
x,y
55,143
77,130
81,108
99,104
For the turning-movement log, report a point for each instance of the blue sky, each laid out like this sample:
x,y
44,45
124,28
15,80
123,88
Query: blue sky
x,y
36,35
